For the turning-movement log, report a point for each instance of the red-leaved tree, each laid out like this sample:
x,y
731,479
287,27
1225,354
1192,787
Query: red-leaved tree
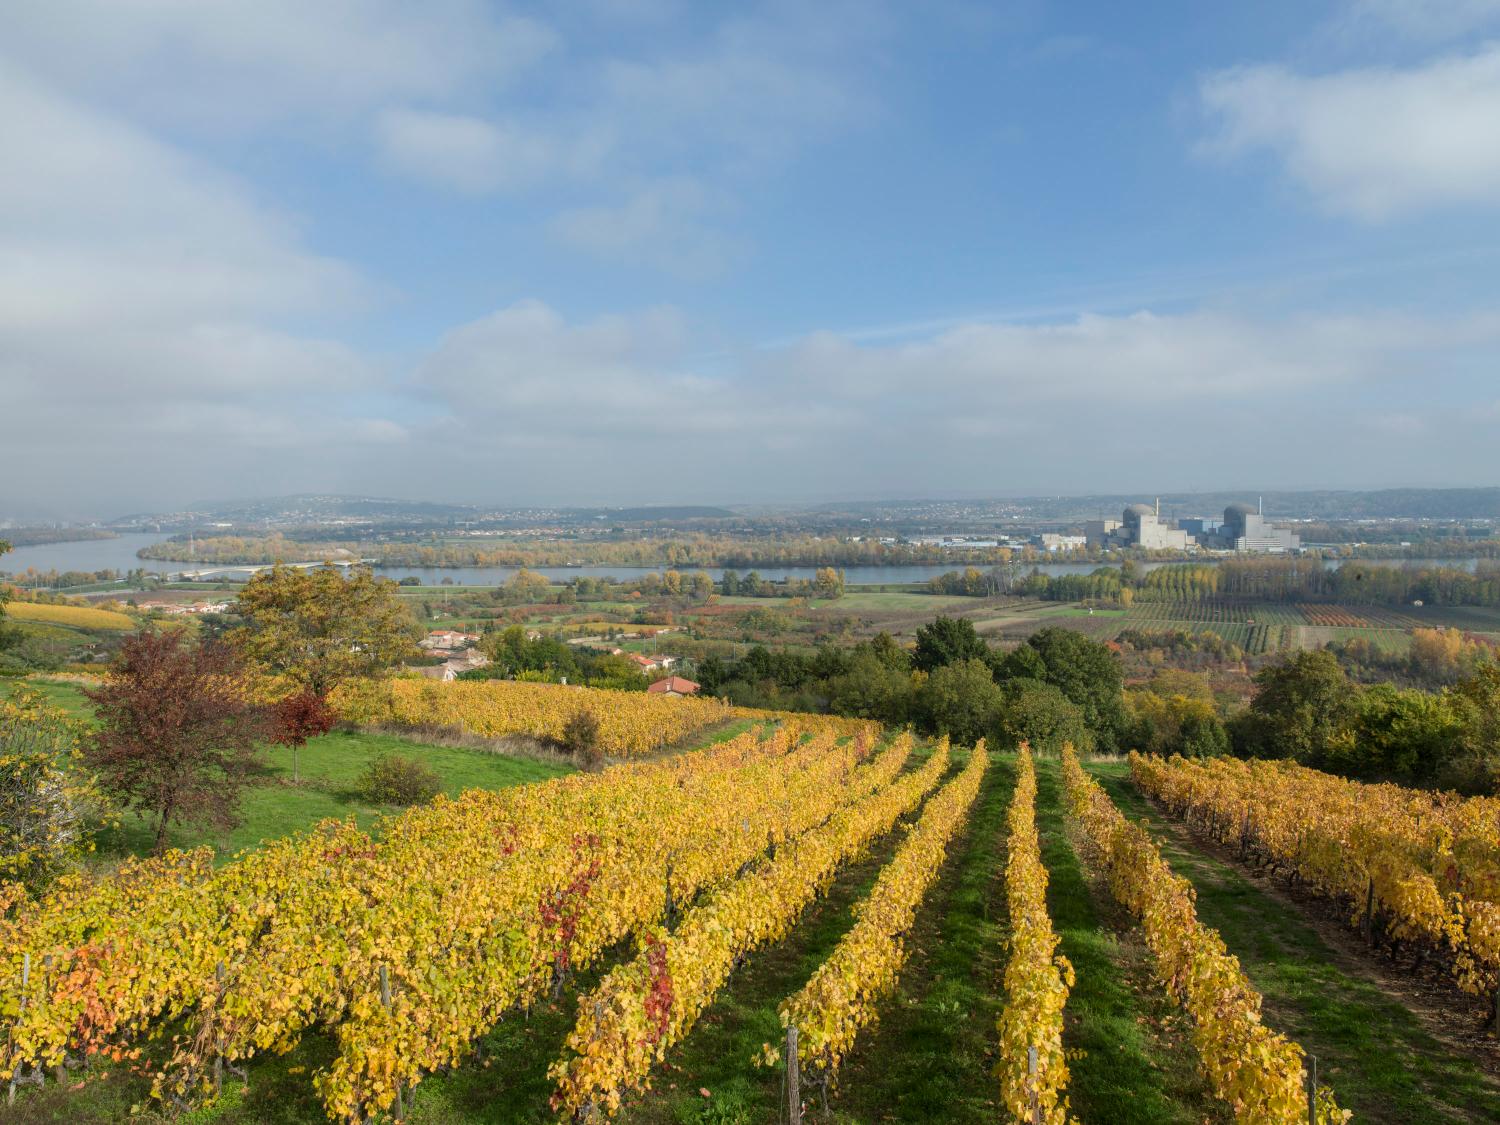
x,y
297,718
177,731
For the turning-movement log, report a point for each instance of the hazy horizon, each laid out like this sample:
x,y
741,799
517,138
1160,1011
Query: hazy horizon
x,y
621,252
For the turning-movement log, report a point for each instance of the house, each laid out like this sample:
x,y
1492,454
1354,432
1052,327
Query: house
x,y
466,661
443,672
447,640
673,685
650,663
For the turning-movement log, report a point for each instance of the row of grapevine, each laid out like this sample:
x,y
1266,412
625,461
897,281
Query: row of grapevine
x,y
644,1006
842,997
1423,867
453,984
290,935
631,724
1037,978
1256,1071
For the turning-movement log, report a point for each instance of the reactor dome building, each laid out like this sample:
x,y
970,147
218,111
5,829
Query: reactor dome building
x,y
1244,528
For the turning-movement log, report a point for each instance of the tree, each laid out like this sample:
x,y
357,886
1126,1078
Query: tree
x,y
527,586
1303,704
1475,767
1088,673
1021,663
8,636
1167,722
318,628
1399,735
829,582
962,700
46,798
177,731
891,654
871,689
1040,714
945,641
702,585
295,719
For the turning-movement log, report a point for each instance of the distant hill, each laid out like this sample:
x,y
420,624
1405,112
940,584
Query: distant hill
x,y
666,512
1314,504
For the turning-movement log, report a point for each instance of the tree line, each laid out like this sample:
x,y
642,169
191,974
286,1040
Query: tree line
x,y
1261,579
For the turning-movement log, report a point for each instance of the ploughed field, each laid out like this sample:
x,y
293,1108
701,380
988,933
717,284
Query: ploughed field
x,y
953,934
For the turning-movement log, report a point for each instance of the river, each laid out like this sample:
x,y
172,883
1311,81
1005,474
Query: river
x,y
120,554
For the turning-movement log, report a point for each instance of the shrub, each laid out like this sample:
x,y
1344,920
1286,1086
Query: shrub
x,y
580,737
394,780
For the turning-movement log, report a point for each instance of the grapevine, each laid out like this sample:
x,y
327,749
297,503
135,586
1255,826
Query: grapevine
x,y
1037,978
1255,1070
843,996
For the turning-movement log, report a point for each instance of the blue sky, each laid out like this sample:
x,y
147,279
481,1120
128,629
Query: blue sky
x,y
632,250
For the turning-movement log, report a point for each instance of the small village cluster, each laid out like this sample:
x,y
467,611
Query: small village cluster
x,y
463,655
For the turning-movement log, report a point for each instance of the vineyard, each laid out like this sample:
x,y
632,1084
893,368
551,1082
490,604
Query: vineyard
x,y
808,921
1409,868
77,616
1260,628
630,724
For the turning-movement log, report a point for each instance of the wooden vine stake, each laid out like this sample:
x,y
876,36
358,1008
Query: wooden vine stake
x,y
1036,1098
385,1002
1370,911
1312,1090
793,1082
18,1077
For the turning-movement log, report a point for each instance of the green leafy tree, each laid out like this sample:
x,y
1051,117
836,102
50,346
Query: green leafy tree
x,y
318,628
1304,704
1021,663
871,689
8,636
47,798
1040,714
947,640
1088,673
889,653
962,700
1173,722
1403,735
1475,766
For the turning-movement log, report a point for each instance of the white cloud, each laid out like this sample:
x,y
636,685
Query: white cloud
x,y
473,155
149,307
1420,20
668,224
1146,390
1373,142
654,147
218,62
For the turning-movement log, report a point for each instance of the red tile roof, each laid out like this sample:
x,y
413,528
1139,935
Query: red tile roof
x,y
674,684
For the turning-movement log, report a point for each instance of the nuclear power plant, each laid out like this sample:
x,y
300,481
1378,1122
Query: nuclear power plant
x,y
1244,528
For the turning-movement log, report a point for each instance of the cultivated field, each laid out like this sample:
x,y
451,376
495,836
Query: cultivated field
x,y
639,942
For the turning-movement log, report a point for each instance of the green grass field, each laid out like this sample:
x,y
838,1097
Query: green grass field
x,y
65,697
328,768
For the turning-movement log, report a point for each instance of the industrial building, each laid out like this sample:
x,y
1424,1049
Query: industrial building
x,y
1244,528
1141,526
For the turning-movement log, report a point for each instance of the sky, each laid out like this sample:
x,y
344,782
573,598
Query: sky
x,y
651,251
